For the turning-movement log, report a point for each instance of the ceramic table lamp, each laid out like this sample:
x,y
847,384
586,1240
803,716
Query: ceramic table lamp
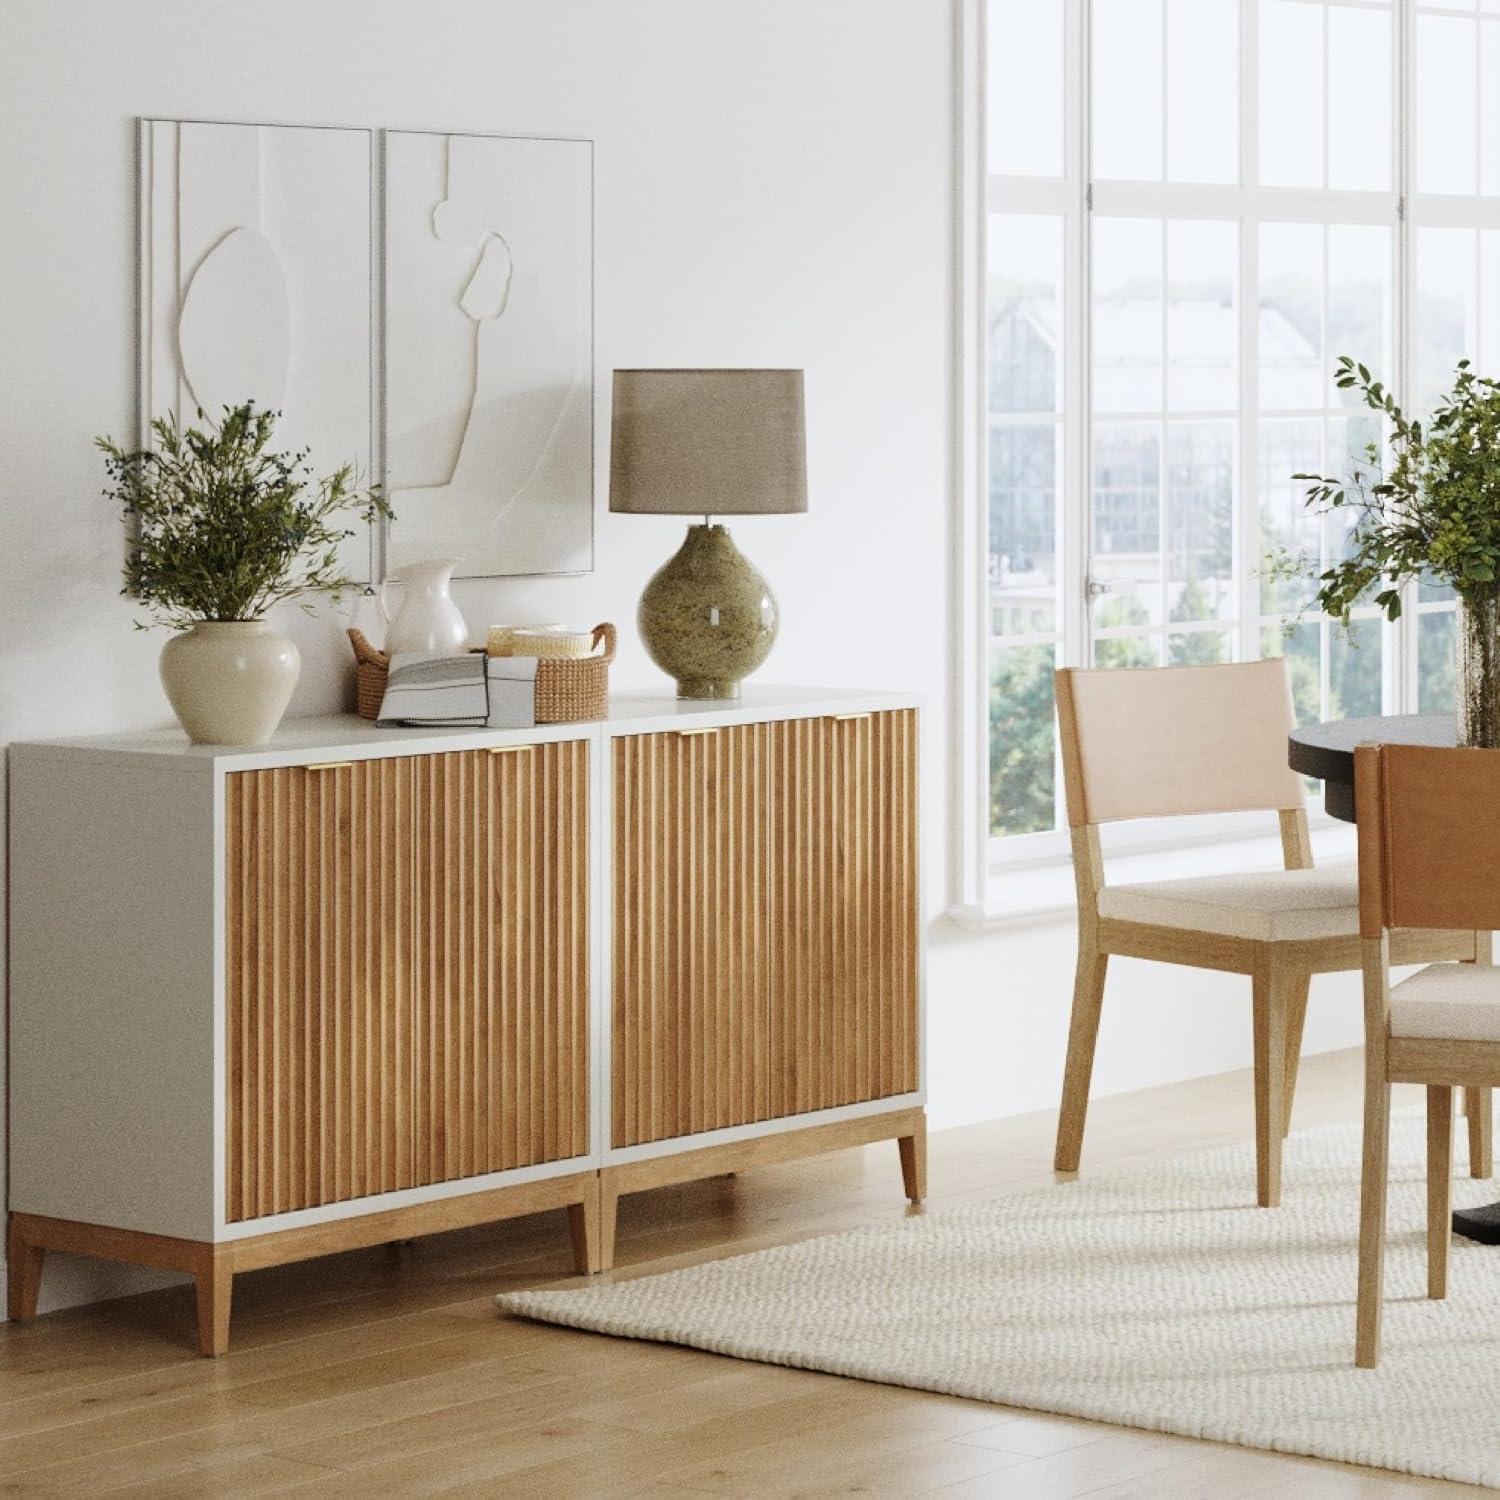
x,y
708,443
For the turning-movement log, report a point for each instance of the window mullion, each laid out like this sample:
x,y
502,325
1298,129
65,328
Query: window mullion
x,y
1247,515
1404,674
1075,503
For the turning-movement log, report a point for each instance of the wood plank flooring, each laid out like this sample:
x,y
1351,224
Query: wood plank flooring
x,y
388,1372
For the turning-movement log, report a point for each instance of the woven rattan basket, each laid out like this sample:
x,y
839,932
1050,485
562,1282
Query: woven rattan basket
x,y
567,688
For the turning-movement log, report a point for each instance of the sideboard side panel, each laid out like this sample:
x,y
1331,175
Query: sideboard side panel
x,y
112,1001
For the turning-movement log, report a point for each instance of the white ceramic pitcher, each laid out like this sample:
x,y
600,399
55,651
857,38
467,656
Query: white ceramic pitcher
x,y
428,619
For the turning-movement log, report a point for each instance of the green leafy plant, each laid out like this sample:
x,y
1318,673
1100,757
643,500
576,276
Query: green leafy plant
x,y
1434,509
222,527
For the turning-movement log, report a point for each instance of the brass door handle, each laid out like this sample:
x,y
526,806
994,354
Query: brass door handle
x,y
851,718
510,749
329,765
691,733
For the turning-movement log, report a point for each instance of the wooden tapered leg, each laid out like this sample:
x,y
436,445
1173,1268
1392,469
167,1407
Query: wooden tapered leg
x,y
1439,1186
1083,1034
583,1223
215,1282
1296,1020
1372,1221
23,1274
913,1149
1269,1003
1480,1109
609,1214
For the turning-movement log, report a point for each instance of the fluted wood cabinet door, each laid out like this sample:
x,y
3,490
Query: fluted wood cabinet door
x,y
764,931
406,964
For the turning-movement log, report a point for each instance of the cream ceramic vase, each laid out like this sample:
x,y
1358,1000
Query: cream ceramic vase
x,y
229,681
428,619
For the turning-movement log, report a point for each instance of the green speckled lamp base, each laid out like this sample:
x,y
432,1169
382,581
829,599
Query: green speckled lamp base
x,y
707,617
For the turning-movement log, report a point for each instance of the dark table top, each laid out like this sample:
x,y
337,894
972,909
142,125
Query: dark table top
x,y
1326,751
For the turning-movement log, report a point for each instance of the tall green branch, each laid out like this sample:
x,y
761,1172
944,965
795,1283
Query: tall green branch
x,y
1432,509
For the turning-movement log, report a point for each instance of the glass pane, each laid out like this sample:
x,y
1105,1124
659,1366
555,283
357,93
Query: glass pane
x,y
1202,315
1022,786
1354,670
1126,551
1447,312
1348,452
1288,447
1025,87
1025,312
1291,94
1361,313
1203,94
1301,647
1291,318
1023,528
1489,108
1128,651
1489,302
1127,89
1359,99
1197,648
1200,521
1437,668
1127,334
1446,118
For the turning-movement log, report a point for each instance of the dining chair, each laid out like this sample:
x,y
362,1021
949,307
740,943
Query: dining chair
x,y
1429,858
1168,741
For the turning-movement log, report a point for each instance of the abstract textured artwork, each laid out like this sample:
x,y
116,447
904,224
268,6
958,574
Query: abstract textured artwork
x,y
488,314
256,283
259,281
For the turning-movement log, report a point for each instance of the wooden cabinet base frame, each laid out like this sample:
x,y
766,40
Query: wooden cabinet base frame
x,y
213,1265
907,1127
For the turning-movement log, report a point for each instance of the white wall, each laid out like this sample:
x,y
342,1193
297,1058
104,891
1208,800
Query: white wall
x,y
774,186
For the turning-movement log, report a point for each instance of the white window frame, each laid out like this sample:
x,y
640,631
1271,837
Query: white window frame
x,y
978,857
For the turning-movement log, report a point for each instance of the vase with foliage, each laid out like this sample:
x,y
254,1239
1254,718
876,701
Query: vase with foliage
x,y
221,529
1430,509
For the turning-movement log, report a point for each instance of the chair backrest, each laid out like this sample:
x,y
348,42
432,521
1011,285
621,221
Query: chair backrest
x,y
1157,741
1429,837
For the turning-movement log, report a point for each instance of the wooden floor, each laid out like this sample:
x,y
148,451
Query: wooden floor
x,y
386,1373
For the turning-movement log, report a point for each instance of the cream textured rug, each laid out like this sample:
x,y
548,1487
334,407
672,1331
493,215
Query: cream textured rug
x,y
1157,1298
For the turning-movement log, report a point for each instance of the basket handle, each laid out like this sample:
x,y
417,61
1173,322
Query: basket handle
x,y
364,651
605,632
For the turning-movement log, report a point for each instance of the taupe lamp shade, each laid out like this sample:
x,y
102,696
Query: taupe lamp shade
x,y
708,443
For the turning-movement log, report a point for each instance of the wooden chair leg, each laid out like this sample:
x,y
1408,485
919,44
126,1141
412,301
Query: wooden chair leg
x,y
1083,1034
1439,1186
609,1213
583,1225
1296,1021
23,1274
1269,997
215,1283
1480,1109
1372,1222
913,1149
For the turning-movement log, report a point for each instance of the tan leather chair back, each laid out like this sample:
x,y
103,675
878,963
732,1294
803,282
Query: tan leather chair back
x,y
1429,837
1157,741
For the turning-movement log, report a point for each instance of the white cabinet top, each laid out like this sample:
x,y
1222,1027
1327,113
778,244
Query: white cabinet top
x,y
348,737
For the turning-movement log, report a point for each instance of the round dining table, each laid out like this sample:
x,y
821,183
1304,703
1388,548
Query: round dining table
x,y
1326,752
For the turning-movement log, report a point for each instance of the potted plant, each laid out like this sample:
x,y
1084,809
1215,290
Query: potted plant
x,y
222,528
1433,510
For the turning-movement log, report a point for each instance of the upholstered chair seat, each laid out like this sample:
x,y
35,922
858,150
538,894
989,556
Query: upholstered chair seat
x,y
1267,906
1458,1002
